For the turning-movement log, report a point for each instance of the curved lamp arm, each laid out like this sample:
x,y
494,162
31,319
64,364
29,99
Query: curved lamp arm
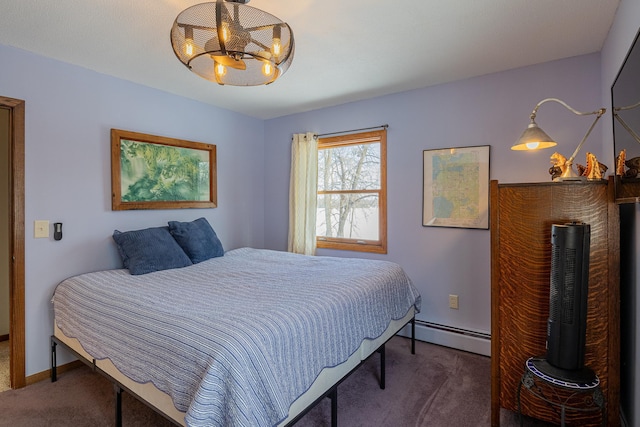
x,y
598,114
627,127
623,123
626,107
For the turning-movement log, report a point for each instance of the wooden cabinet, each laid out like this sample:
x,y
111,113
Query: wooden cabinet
x,y
521,219
627,190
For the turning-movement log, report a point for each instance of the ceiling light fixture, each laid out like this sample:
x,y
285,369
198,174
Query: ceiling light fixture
x,y
230,43
534,138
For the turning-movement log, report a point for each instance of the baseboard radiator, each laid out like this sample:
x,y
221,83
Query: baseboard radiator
x,y
463,339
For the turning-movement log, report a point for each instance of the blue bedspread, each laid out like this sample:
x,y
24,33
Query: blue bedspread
x,y
236,339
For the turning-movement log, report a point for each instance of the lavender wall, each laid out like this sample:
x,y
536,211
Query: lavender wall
x,y
69,111
488,110
69,114
621,35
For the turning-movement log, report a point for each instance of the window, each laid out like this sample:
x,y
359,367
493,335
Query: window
x,y
352,193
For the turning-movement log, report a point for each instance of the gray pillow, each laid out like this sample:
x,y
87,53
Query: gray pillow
x,y
151,249
197,239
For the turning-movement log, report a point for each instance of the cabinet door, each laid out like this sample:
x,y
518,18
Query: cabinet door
x,y
521,220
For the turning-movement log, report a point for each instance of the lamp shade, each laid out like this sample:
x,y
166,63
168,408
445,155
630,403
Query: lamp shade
x,y
231,43
533,138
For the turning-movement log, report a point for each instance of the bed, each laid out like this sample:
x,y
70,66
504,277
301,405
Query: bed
x,y
251,338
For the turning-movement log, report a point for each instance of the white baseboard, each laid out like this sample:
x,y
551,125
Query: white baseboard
x,y
460,339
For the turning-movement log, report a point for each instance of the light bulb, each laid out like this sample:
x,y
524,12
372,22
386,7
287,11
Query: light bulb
x,y
188,41
220,69
226,33
267,69
276,48
188,47
532,145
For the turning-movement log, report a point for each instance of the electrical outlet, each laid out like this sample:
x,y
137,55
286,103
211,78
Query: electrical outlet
x,y
40,229
453,302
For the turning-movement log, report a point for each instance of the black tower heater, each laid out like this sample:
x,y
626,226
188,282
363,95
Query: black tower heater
x,y
567,324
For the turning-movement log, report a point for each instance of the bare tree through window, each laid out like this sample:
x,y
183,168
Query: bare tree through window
x,y
351,192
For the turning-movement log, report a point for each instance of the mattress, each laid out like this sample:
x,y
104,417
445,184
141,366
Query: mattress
x,y
236,339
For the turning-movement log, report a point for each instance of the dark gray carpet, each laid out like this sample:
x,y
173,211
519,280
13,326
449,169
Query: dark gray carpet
x,y
436,387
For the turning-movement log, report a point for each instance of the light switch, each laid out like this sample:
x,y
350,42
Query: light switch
x,y
41,229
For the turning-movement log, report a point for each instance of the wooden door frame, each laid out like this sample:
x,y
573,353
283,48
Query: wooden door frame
x,y
16,244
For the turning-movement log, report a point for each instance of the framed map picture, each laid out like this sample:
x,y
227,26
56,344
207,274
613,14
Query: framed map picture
x,y
456,187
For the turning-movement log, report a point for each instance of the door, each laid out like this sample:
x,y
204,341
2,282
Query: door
x,y
12,201
4,246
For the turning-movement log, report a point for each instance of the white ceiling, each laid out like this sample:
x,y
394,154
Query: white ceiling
x,y
345,50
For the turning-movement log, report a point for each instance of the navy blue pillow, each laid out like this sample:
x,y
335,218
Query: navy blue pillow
x,y
197,239
151,249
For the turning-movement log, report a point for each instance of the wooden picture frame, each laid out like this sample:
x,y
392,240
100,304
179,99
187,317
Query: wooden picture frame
x,y
456,187
156,172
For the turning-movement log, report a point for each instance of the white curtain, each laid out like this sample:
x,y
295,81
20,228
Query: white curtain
x,y
303,194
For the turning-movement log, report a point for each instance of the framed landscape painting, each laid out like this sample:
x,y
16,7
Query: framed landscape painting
x,y
456,187
156,172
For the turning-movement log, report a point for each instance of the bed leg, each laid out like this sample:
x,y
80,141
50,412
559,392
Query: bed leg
x,y
118,414
54,365
413,335
383,366
334,407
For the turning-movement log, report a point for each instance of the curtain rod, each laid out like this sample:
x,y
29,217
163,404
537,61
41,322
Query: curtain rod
x,y
352,130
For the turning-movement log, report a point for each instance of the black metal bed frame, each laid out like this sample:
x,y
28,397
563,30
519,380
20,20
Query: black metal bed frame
x,y
332,393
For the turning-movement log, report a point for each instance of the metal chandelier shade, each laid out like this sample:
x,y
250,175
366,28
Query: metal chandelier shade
x,y
230,43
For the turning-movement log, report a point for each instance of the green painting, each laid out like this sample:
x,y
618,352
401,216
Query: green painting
x,y
160,173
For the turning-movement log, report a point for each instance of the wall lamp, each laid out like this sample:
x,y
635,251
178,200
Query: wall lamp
x,y
534,138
